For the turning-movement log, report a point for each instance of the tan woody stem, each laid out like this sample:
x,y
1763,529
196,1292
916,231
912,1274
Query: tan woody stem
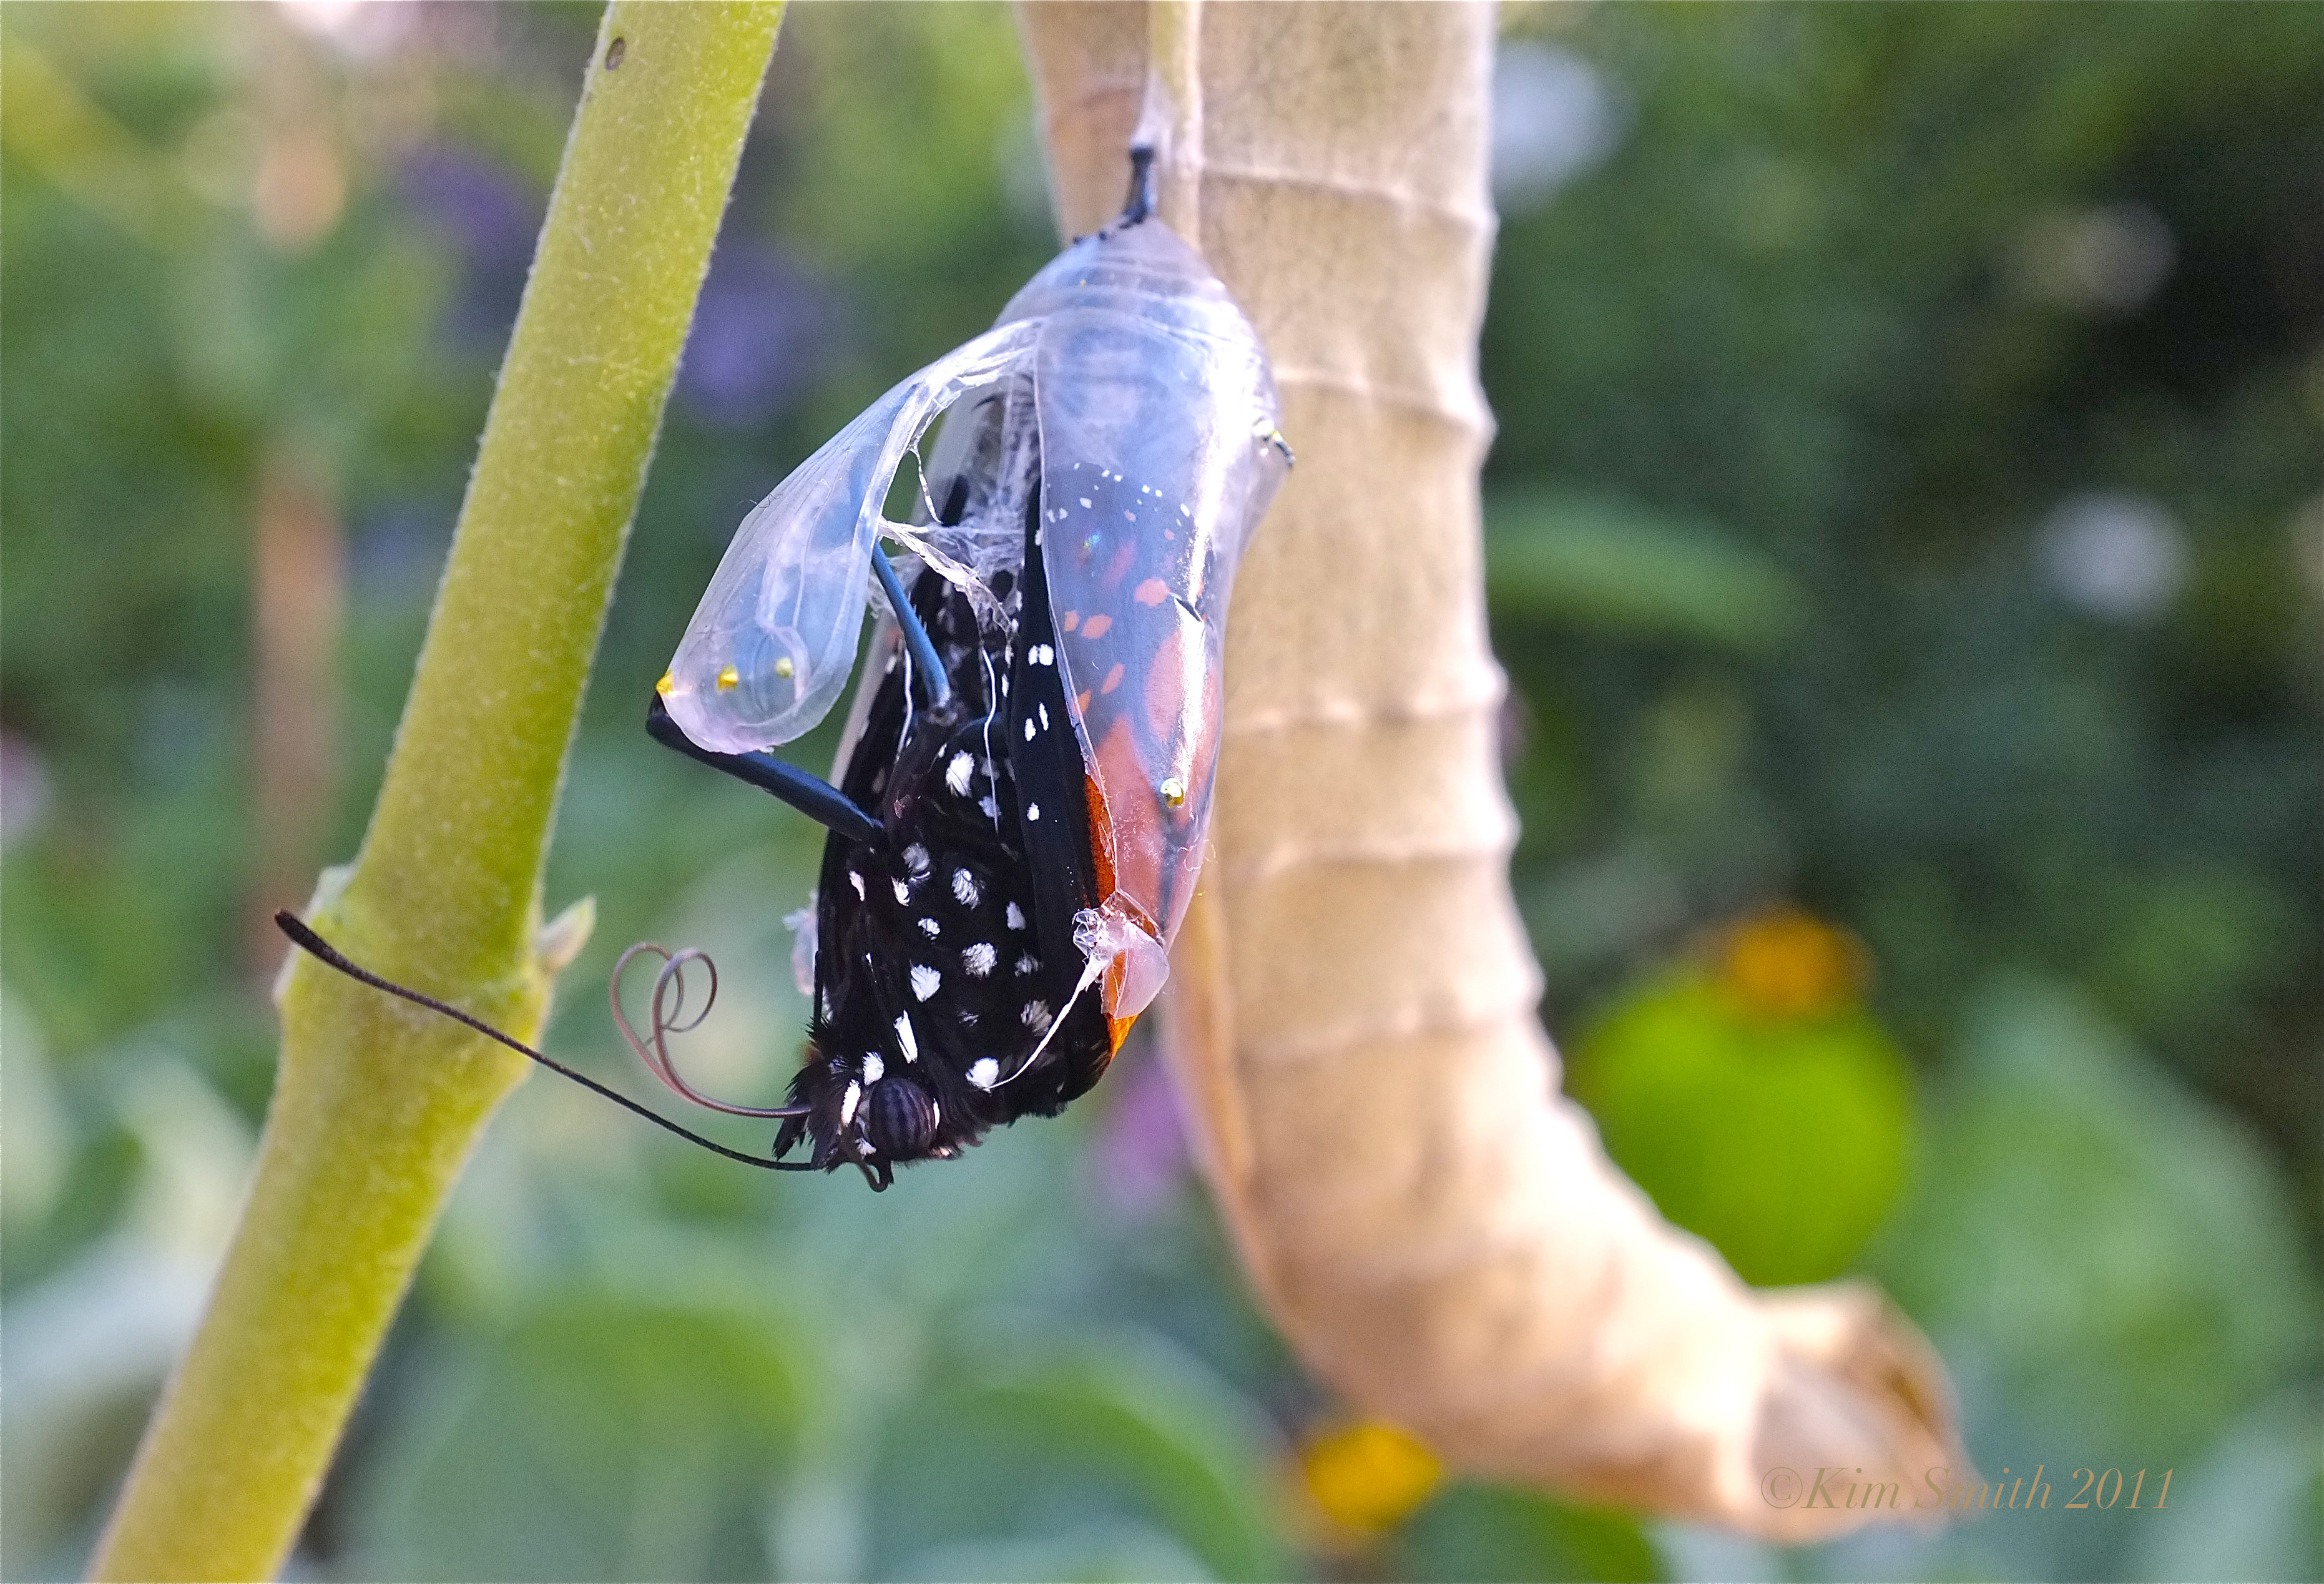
x,y
1353,1000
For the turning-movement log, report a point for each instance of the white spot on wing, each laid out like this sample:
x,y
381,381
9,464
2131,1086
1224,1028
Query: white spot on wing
x,y
848,1102
1036,1016
1030,728
925,980
903,892
979,958
916,858
856,880
905,1037
874,1069
963,886
1032,811
930,928
957,772
983,1073
1016,916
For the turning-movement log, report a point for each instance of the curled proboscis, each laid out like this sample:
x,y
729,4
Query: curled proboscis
x,y
668,1008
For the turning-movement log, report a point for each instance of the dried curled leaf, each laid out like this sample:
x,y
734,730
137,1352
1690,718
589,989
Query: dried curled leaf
x,y
1435,1228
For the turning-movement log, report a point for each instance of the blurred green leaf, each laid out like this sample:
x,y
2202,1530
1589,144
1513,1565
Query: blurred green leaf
x,y
1609,566
1113,1430
2111,1259
1489,1534
2253,1506
1113,1552
599,1438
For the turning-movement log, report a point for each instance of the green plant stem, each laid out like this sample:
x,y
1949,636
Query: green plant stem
x,y
376,1104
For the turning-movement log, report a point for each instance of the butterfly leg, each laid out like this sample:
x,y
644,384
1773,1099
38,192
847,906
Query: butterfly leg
x,y
811,796
934,684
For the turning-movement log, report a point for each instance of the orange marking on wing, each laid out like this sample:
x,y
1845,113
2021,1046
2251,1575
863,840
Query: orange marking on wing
x,y
1102,851
1081,700
1112,679
1101,835
1097,626
1152,591
1131,865
1166,684
1067,622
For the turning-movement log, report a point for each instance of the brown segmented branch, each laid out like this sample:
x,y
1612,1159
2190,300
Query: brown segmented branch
x,y
1353,1007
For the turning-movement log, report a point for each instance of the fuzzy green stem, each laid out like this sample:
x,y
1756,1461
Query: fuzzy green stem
x,y
377,1105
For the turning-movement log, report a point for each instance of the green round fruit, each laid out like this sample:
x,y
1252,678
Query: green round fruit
x,y
1783,1141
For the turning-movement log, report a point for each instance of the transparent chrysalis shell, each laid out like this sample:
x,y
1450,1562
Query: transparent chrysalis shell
x,y
1125,384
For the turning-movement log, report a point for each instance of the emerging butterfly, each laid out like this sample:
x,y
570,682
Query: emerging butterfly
x,y
1023,787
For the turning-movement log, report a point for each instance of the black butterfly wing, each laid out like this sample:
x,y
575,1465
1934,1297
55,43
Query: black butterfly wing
x,y
1054,827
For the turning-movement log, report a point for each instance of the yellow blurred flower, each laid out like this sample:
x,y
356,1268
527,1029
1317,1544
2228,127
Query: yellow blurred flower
x,y
1786,963
1368,1477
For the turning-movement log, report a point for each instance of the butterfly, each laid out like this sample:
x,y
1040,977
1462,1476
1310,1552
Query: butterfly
x,y
1022,792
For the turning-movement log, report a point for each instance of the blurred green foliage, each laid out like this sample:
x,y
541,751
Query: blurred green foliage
x,y
1490,1534
1907,504
638,1438
1609,566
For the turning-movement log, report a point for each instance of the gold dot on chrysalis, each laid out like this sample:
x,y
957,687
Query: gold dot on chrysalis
x,y
784,668
728,679
1173,791
667,686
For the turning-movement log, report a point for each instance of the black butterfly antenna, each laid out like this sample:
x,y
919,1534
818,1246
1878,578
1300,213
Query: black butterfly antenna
x,y
656,1058
1139,204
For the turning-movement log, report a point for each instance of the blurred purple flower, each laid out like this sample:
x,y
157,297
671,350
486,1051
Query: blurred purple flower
x,y
396,550
762,333
491,217
1140,1153
23,788
763,330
